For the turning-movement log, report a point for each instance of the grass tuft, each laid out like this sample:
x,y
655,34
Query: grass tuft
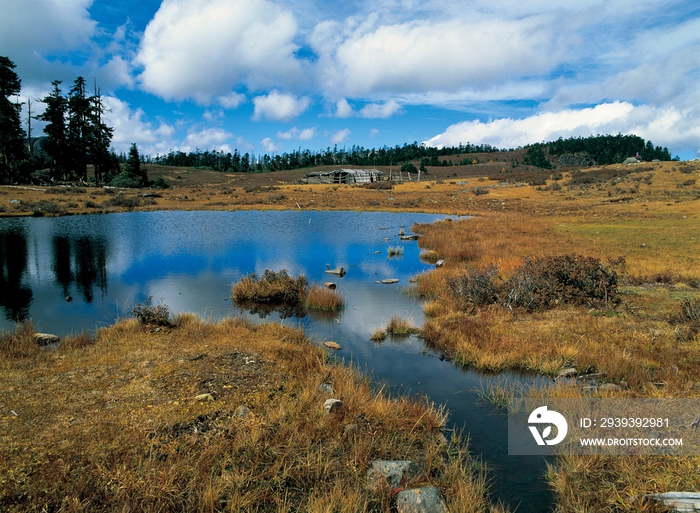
x,y
323,298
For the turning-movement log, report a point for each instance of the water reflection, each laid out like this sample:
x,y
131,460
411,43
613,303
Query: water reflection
x,y
83,261
15,296
189,261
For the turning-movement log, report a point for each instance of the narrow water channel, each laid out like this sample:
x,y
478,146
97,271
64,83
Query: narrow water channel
x,y
71,274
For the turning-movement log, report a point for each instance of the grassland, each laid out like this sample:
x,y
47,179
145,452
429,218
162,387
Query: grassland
x,y
202,416
642,220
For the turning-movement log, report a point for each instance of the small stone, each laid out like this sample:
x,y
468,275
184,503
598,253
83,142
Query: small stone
x,y
204,397
332,345
427,499
242,412
69,298
389,281
571,371
391,472
440,263
325,388
330,285
45,339
332,405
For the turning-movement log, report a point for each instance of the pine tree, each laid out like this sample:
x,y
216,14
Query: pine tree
x,y
79,130
13,156
55,130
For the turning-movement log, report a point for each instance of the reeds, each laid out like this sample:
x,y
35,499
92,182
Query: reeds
x,y
395,251
323,298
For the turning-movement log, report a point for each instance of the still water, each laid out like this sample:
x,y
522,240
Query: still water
x,y
105,264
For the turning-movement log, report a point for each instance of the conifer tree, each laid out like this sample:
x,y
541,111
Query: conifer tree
x,y
13,155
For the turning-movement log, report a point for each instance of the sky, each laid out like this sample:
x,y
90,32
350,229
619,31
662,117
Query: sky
x,y
273,76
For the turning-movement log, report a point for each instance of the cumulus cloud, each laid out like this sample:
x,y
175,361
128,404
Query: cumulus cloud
x,y
210,138
664,125
231,101
269,145
294,133
422,56
201,48
381,110
130,127
39,27
278,106
343,109
340,136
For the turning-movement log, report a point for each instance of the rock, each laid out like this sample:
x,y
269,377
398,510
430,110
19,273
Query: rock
x,y
427,499
332,345
610,386
45,339
389,281
566,373
440,263
351,429
204,397
69,299
330,285
391,472
678,501
332,405
325,388
338,271
408,237
242,412
630,160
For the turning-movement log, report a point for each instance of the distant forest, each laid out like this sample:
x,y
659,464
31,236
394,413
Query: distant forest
x,y
600,149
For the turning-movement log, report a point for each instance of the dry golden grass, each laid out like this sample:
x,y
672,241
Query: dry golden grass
x,y
115,425
323,298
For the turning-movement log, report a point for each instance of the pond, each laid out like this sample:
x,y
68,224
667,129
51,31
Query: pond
x,y
71,274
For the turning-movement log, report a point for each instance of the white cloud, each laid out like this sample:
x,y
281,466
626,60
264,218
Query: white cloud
x,y
32,28
129,127
231,101
340,136
278,106
269,145
200,49
380,110
294,133
343,109
664,126
422,56
373,132
209,138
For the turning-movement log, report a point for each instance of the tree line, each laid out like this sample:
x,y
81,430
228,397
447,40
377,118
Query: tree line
x,y
75,136
301,159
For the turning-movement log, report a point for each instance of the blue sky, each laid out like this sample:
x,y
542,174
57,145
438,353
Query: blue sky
x,y
269,76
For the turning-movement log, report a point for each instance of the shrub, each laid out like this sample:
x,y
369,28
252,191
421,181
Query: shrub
x,y
160,183
477,287
552,280
123,201
539,283
479,191
149,315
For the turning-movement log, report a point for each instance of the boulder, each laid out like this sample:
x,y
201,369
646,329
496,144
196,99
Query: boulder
x,y
427,499
332,405
630,160
330,285
338,271
391,472
389,281
332,345
46,339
